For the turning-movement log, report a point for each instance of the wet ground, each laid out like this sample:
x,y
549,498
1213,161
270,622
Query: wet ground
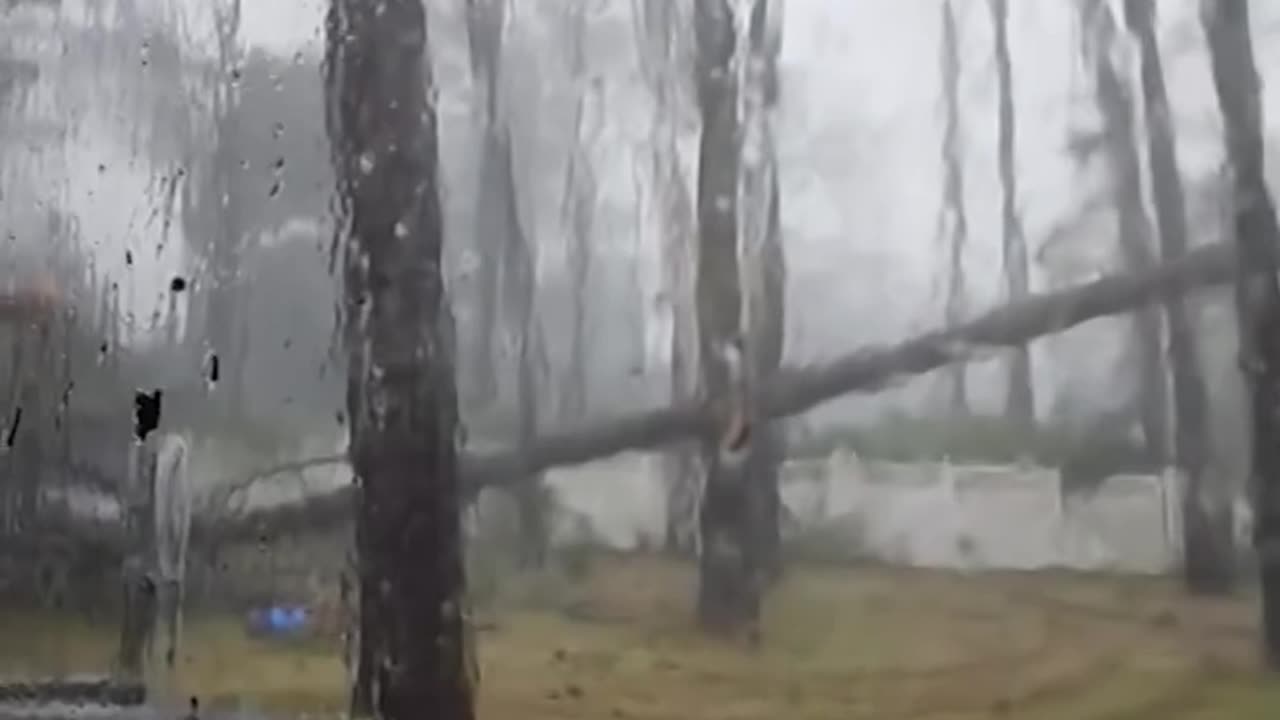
x,y
837,644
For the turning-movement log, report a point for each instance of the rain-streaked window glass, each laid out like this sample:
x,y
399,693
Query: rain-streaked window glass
x,y
697,359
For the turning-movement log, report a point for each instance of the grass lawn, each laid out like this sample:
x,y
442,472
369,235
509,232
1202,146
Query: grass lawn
x,y
837,644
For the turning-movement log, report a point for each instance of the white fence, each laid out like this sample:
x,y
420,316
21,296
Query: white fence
x,y
925,515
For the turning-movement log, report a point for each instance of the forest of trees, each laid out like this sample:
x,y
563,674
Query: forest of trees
x,y
451,333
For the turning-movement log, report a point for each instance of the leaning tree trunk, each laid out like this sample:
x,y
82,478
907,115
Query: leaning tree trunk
x,y
731,567
402,402
1235,79
793,390
1137,237
1207,541
1020,401
955,219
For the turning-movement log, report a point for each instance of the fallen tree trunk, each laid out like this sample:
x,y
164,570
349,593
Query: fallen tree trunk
x,y
789,392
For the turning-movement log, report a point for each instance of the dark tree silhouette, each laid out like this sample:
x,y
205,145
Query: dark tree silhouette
x,y
955,219
1119,142
1209,555
1020,403
730,563
1257,239
402,400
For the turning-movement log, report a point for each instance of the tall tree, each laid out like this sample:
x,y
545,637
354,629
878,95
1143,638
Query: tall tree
x,y
955,220
1207,539
766,270
732,567
485,24
505,248
1020,402
1257,239
402,401
520,291
212,216
578,212
663,35
1136,236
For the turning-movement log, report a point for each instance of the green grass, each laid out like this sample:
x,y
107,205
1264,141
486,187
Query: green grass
x,y
838,643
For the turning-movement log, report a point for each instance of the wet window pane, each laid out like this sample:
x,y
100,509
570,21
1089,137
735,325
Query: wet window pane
x,y
648,359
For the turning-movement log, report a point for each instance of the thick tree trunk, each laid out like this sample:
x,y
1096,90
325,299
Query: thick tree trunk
x,y
729,587
1020,401
402,405
1137,237
1257,238
955,219
1209,554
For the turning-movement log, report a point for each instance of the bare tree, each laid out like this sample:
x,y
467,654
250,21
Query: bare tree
x,y
765,260
663,39
1020,402
485,23
402,401
732,566
220,223
1209,555
1136,235
955,220
506,255
578,213
1257,239
519,291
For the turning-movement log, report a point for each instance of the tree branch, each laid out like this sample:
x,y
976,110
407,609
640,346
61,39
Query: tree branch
x,y
790,391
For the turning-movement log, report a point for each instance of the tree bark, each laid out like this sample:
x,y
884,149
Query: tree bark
x,y
1209,557
662,28
955,221
730,563
485,19
1235,79
1020,401
767,265
402,403
578,219
1136,235
792,390
520,291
